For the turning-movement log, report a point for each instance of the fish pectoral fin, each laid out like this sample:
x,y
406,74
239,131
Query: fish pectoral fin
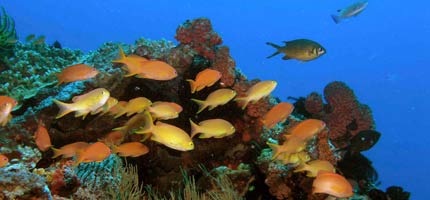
x,y
286,57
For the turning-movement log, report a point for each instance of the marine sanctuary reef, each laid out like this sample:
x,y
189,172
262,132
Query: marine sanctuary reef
x,y
156,120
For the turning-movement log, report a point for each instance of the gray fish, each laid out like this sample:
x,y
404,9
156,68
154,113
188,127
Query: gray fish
x,y
350,11
301,49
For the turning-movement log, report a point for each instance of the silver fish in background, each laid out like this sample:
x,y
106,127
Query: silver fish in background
x,y
350,11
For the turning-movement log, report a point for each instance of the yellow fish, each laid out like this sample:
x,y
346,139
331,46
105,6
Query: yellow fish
x,y
70,150
136,105
205,78
95,152
131,149
84,104
133,63
216,98
4,160
256,92
315,166
291,146
111,102
295,159
164,110
133,123
217,128
166,134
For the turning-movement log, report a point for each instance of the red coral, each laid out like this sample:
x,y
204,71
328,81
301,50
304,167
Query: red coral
x,y
200,36
343,114
225,64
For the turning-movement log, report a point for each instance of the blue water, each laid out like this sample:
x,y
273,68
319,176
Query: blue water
x,y
383,54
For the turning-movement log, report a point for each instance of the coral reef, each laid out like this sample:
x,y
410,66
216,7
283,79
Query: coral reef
x,y
238,166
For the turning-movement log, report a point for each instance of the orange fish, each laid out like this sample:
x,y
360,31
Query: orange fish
x,y
133,63
3,160
119,107
131,149
205,78
157,70
136,105
70,150
291,146
113,138
5,110
5,99
164,110
332,184
315,166
278,113
76,72
306,129
95,152
41,136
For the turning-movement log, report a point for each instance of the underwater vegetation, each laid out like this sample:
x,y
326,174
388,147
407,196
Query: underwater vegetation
x,y
155,120
8,37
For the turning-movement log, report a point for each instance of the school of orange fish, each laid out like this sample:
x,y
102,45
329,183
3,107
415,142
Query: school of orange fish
x,y
146,118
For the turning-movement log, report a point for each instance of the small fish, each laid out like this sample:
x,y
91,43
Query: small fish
x,y
306,129
42,139
84,104
5,110
133,123
30,37
315,166
119,107
11,40
39,40
4,160
295,158
300,49
216,98
70,150
131,149
162,110
216,128
95,152
5,99
205,78
364,140
278,113
332,184
113,138
350,11
157,70
76,72
133,63
136,105
289,147
56,45
166,134
256,92
111,102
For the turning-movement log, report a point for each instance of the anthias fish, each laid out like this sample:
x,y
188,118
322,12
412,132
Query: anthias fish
x,y
300,49
350,11
256,92
205,78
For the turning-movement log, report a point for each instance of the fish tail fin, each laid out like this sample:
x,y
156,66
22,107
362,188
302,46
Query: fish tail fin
x,y
65,108
245,101
275,149
202,105
274,46
114,149
57,152
194,128
148,126
121,56
192,85
336,19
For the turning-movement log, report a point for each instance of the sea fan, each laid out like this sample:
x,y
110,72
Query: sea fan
x,y
8,37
